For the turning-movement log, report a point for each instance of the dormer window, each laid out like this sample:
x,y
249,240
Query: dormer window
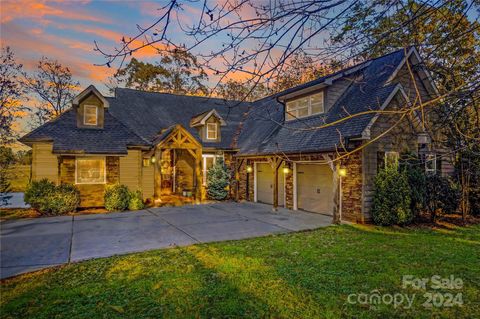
x,y
212,131
305,106
90,115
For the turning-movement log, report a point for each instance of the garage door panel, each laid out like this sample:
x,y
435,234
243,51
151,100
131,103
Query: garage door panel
x,y
265,184
315,188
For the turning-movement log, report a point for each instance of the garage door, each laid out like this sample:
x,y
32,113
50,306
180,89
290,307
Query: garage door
x,y
265,184
315,188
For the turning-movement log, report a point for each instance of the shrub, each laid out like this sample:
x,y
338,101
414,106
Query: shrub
x,y
414,169
64,199
49,199
38,192
136,201
391,201
218,178
116,197
441,195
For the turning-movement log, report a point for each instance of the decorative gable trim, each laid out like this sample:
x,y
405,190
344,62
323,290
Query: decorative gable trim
x,y
413,52
202,120
177,137
90,90
398,89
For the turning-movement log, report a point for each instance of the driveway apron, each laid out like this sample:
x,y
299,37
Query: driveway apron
x,y
32,244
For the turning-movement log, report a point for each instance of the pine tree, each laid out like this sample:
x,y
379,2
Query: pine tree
x,y
218,178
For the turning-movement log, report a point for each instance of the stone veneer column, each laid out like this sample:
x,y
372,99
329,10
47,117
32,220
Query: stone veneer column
x,y
352,188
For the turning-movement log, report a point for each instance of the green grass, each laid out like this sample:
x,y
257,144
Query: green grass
x,y
302,275
19,176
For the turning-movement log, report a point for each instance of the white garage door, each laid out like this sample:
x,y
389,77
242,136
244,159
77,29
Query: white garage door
x,y
315,188
265,184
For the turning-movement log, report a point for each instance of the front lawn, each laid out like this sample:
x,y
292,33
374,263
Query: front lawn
x,y
19,176
302,275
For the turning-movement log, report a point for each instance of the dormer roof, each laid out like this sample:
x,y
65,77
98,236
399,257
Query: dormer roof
x,y
90,90
201,118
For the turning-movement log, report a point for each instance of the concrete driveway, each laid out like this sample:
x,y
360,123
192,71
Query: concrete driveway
x,y
32,244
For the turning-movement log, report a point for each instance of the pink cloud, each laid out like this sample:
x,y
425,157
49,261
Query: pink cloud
x,y
41,10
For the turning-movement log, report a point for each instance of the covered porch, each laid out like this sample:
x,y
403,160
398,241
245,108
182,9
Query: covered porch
x,y
177,166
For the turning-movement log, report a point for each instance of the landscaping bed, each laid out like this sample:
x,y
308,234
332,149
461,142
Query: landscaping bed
x,y
301,275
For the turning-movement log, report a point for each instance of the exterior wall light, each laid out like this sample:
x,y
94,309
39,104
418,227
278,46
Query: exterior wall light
x,y
342,172
286,170
153,160
249,169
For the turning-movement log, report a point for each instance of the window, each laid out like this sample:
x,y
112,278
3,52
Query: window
x,y
391,159
146,162
430,163
305,106
387,159
208,161
211,131
90,115
90,170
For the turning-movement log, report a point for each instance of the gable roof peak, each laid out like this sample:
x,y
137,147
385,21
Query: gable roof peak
x,y
91,89
201,118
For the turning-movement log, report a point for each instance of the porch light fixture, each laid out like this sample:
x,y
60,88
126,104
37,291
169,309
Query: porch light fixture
x,y
249,169
153,160
286,170
342,172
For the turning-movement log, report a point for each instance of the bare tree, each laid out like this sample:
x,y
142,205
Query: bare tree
x,y
11,94
53,86
261,39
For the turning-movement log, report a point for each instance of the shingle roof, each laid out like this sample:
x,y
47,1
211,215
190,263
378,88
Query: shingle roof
x,y
265,132
148,113
137,118
68,138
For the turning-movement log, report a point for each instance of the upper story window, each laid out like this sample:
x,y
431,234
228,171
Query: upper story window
x,y
305,106
90,115
212,131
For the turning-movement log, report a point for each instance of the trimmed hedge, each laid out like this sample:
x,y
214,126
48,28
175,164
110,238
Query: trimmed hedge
x,y
52,200
136,201
117,197
391,202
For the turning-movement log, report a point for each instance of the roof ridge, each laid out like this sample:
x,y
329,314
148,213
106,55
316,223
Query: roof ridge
x,y
327,76
182,95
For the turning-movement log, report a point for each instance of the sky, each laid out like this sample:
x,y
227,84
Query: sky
x,y
66,31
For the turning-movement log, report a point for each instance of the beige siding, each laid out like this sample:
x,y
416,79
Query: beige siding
x,y
44,162
131,169
148,181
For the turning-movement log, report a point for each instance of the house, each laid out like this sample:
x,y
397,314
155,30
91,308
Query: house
x,y
164,144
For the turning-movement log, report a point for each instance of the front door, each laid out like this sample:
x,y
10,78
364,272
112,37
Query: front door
x,y
167,171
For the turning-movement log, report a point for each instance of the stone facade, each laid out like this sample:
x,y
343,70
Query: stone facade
x,y
289,190
91,195
351,184
352,189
